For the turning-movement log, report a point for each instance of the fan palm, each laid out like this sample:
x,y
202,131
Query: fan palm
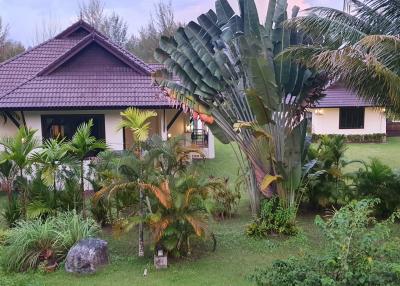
x,y
52,156
226,69
19,150
81,144
360,49
138,121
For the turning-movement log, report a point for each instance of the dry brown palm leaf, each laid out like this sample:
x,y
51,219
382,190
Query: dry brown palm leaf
x,y
199,225
159,227
162,193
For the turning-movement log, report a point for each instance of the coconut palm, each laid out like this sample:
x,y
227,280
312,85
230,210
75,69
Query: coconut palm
x,y
360,49
53,155
138,122
19,150
81,144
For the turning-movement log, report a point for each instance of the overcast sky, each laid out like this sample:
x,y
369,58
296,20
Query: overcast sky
x,y
25,17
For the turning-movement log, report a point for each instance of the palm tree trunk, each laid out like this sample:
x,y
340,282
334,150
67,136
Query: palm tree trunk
x,y
23,193
83,191
141,231
54,192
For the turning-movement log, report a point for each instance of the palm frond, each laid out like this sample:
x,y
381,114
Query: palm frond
x,y
137,121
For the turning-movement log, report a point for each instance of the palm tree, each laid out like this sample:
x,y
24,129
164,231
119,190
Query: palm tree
x,y
137,121
81,144
19,150
52,156
226,69
7,175
360,49
172,155
180,213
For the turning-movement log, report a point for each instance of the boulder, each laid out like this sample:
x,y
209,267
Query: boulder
x,y
87,256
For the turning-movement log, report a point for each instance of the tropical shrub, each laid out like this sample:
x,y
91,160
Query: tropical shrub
x,y
378,181
274,219
12,211
181,213
329,187
359,251
44,242
366,138
224,200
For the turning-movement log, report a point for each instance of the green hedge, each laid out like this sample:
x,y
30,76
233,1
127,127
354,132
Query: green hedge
x,y
367,138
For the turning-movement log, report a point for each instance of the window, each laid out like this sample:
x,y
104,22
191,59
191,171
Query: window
x,y
64,126
351,118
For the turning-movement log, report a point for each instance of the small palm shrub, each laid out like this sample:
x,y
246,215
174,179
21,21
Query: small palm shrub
x,y
274,219
12,211
224,200
378,180
359,252
329,187
44,242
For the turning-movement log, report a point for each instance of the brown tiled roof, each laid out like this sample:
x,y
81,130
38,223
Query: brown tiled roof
x,y
78,68
339,96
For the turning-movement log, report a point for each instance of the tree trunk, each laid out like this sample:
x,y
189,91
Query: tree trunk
x,y
83,191
54,192
141,231
23,197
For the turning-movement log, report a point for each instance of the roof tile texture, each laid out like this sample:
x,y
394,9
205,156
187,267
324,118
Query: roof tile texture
x,y
93,77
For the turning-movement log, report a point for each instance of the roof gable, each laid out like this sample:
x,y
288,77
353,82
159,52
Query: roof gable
x,y
91,58
79,28
82,68
106,45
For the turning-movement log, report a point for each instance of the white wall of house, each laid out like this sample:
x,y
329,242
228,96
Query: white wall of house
x,y
327,122
114,137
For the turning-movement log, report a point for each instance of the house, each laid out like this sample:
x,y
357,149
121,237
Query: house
x,y
80,75
341,111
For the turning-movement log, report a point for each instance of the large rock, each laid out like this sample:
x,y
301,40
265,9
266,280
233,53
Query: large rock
x,y
87,256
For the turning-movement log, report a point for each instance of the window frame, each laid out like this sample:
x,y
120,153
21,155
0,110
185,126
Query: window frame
x,y
350,121
99,124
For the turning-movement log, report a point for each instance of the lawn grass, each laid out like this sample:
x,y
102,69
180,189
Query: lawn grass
x,y
236,256
388,153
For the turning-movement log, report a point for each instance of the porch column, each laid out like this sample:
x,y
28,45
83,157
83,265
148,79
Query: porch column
x,y
163,125
211,145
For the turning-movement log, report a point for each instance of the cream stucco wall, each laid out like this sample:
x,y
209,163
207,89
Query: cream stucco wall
x,y
114,137
328,122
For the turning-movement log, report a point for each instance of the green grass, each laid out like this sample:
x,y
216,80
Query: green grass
x,y
388,153
236,255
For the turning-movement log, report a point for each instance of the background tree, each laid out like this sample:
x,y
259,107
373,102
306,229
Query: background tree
x,y
8,48
113,25
162,22
359,49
